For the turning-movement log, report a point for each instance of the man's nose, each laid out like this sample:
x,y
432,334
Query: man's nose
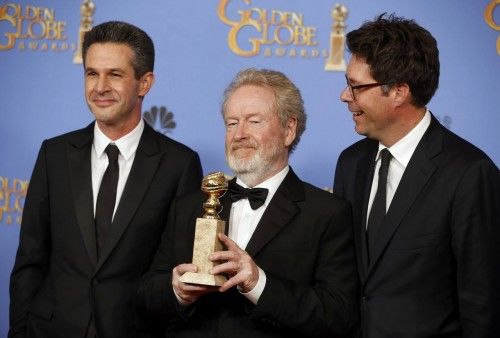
x,y
102,84
345,95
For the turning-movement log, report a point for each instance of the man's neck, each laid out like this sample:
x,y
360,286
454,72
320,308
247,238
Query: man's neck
x,y
255,178
116,131
409,119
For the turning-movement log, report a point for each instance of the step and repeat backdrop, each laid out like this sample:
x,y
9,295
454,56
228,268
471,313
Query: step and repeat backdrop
x,y
200,46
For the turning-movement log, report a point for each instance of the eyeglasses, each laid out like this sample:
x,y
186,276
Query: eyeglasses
x,y
366,85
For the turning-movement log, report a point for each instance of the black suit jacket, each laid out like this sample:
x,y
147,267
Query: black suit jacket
x,y
435,271
303,243
57,283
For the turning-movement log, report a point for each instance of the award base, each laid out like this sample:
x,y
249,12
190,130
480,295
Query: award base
x,y
203,279
205,242
335,67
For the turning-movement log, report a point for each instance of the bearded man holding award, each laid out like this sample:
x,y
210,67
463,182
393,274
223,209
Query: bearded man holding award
x,y
287,265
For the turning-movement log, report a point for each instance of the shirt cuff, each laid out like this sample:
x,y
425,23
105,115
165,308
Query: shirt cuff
x,y
254,294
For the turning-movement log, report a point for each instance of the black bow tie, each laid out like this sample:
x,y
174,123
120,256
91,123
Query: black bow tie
x,y
256,196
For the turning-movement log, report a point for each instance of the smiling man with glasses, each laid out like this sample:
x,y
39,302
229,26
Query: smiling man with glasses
x,y
425,201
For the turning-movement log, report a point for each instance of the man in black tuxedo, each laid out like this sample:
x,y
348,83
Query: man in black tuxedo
x,y
425,202
74,277
289,252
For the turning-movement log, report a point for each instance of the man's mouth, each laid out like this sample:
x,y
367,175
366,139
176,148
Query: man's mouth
x,y
103,102
238,149
358,113
243,146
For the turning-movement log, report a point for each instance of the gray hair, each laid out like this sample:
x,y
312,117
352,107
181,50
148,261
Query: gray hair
x,y
289,102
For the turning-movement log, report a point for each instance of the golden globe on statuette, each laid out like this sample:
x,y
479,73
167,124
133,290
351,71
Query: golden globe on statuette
x,y
207,228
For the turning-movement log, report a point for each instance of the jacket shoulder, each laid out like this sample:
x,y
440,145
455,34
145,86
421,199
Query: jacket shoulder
x,y
77,137
357,149
462,150
322,197
169,144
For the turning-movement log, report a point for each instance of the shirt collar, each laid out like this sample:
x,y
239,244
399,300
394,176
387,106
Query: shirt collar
x,y
126,144
403,150
272,183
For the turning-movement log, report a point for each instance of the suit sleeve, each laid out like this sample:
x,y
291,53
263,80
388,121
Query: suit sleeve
x,y
476,244
338,183
155,295
32,258
327,307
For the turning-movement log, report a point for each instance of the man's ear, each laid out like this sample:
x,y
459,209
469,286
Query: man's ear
x,y
145,83
402,94
290,131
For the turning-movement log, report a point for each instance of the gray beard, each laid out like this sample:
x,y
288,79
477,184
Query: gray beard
x,y
253,170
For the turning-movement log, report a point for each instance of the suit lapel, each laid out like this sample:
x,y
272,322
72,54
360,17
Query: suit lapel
x,y
226,209
417,174
80,171
146,161
364,175
280,211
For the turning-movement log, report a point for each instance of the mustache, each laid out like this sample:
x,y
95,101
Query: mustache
x,y
243,144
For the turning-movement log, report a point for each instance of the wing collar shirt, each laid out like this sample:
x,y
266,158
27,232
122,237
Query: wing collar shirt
x,y
243,221
99,160
401,152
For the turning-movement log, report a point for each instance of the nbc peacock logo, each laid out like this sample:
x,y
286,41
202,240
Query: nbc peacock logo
x,y
160,119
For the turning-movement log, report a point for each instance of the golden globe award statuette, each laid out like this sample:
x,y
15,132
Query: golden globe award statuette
x,y
205,237
86,10
336,61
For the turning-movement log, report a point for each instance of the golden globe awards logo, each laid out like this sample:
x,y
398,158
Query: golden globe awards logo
x,y
32,28
269,32
12,195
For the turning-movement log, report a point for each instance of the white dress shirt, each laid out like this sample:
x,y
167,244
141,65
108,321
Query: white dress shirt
x,y
243,220
401,152
99,160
